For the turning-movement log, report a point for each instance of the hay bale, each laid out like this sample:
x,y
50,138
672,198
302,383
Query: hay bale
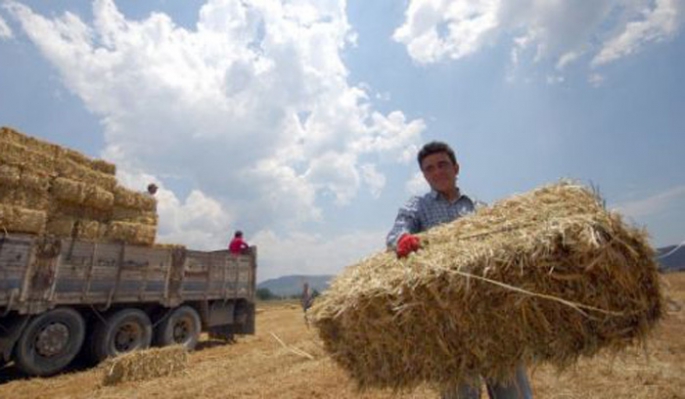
x,y
61,226
9,175
145,365
15,219
20,155
134,216
544,277
76,192
131,233
65,167
124,198
89,229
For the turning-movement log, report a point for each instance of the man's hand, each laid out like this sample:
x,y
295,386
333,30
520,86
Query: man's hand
x,y
406,244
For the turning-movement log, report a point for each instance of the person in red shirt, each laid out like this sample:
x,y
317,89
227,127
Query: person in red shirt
x,y
237,245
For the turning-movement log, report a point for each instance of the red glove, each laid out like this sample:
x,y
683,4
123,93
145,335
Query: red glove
x,y
406,244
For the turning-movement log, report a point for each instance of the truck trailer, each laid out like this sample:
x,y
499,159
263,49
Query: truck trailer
x,y
60,298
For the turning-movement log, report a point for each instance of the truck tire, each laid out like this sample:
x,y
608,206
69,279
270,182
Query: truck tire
x,y
50,342
121,332
181,327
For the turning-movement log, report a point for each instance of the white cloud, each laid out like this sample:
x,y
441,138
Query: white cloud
x,y
438,29
5,31
258,91
562,32
251,112
596,79
310,253
658,23
653,204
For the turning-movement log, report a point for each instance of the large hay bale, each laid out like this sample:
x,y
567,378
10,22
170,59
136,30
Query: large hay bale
x,y
145,365
544,277
66,167
15,219
19,155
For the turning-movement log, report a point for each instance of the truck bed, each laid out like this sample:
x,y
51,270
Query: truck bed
x,y
38,274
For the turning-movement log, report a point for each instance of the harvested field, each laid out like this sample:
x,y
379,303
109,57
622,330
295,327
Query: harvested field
x,y
261,367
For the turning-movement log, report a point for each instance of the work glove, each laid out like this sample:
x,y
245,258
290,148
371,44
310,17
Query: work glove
x,y
406,244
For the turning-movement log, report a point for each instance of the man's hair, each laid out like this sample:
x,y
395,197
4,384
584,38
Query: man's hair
x,y
238,233
435,147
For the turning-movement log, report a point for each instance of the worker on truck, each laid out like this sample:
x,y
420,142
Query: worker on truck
x,y
444,203
238,245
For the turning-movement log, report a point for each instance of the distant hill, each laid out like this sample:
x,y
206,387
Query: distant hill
x,y
674,261
292,285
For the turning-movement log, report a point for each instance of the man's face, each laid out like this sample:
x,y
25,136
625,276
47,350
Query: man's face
x,y
440,172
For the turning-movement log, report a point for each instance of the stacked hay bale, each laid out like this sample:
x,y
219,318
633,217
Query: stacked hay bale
x,y
544,277
145,365
48,189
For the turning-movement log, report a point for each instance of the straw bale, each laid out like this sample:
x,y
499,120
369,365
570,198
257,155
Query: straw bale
x,y
134,216
89,195
36,200
145,365
66,167
20,155
124,198
21,220
9,135
9,175
61,226
89,229
131,233
544,277
104,167
77,211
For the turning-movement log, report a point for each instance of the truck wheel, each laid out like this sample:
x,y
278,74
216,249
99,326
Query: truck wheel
x,y
123,331
182,327
50,342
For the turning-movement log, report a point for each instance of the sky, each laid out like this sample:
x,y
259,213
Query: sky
x,y
298,122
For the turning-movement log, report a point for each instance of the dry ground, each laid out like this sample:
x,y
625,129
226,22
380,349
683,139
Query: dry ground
x,y
261,367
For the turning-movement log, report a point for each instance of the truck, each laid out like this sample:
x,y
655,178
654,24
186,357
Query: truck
x,y
61,298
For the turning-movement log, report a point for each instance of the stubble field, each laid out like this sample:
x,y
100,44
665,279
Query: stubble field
x,y
285,360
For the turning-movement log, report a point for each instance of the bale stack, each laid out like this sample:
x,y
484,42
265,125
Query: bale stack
x,y
48,189
145,365
543,277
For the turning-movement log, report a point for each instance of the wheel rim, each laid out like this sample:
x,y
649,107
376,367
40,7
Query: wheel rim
x,y
182,330
52,340
128,337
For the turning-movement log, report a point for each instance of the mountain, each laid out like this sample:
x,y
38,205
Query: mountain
x,y
292,285
671,258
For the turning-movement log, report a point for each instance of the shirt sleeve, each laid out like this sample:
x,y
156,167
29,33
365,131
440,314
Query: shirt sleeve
x,y
407,221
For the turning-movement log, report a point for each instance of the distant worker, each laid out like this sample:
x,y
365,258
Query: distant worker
x,y
152,189
237,245
307,301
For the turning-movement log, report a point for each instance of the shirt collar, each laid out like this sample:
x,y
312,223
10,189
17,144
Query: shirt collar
x,y
436,195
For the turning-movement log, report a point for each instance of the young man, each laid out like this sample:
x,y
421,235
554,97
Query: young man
x,y
237,245
443,204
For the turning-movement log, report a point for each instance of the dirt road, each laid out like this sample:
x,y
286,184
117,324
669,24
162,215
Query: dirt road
x,y
261,367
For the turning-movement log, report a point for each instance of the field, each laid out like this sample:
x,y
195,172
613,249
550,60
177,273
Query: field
x,y
285,360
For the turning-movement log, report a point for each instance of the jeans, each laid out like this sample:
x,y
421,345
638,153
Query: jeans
x,y
518,389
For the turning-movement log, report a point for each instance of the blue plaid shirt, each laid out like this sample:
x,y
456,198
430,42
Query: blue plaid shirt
x,y
421,213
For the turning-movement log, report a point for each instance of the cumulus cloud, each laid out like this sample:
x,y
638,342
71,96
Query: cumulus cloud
x,y
562,32
322,255
5,31
250,112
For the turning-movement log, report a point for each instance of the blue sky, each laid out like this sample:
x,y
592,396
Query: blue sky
x,y
298,121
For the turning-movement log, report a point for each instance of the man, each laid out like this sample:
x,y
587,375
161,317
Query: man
x,y
307,301
443,204
237,245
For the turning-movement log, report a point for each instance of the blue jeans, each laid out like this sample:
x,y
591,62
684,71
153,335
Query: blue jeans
x,y
518,389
